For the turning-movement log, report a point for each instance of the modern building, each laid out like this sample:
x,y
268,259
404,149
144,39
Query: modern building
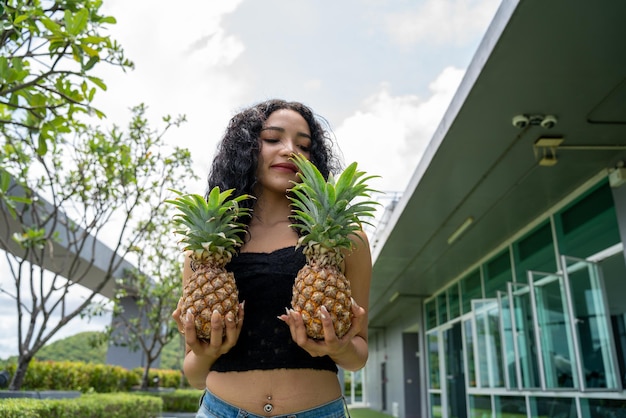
x,y
499,281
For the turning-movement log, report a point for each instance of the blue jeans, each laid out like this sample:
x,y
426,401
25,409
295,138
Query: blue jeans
x,y
213,407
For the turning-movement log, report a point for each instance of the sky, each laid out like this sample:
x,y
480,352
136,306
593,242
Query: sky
x,y
381,72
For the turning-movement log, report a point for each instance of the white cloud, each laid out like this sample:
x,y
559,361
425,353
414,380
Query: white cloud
x,y
441,21
182,66
389,133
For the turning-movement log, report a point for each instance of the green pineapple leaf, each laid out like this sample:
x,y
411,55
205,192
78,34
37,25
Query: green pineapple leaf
x,y
328,212
210,226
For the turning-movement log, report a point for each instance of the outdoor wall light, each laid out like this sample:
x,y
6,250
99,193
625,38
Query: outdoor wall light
x,y
545,150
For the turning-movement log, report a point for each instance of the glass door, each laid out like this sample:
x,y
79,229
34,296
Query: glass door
x,y
592,325
455,392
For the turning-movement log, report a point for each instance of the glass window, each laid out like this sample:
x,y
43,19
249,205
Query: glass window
x,y
433,361
469,352
431,314
435,406
442,308
588,225
592,324
498,272
551,407
525,335
603,408
534,252
488,344
471,288
558,358
619,332
454,303
509,406
508,349
480,406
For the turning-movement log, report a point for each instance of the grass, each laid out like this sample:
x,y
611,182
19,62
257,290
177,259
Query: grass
x,y
367,413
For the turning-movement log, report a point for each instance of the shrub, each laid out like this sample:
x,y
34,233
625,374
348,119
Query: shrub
x,y
83,377
109,405
182,400
166,378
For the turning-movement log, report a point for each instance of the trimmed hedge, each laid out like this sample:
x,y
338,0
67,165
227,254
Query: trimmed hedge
x,y
109,405
166,378
183,400
72,375
90,377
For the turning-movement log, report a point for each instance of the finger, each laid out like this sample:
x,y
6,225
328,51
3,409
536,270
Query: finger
x,y
231,330
178,319
217,328
357,310
240,314
327,324
285,317
298,330
190,329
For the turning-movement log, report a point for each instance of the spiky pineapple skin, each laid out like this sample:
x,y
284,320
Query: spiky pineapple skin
x,y
209,289
324,284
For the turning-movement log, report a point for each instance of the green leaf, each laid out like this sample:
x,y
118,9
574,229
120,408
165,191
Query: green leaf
x,y
5,181
52,26
98,82
4,68
108,19
89,50
76,23
42,147
19,19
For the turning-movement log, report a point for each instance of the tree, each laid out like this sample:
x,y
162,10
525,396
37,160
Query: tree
x,y
66,185
155,287
48,50
99,186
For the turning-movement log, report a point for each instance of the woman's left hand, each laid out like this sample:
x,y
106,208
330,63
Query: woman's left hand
x,y
331,345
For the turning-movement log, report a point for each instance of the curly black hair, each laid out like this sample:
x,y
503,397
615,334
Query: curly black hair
x,y
235,163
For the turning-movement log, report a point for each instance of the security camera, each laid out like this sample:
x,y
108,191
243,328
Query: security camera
x,y
548,122
520,121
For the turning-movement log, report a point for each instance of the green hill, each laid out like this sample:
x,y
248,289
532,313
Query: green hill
x,y
85,346
91,347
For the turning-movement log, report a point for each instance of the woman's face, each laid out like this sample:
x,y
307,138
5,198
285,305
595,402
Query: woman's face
x,y
284,133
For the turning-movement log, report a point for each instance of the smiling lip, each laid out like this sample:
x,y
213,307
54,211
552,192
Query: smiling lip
x,y
286,166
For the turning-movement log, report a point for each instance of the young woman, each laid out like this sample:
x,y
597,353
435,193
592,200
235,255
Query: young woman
x,y
266,365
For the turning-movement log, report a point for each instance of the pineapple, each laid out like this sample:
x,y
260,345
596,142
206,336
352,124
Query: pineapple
x,y
326,217
211,233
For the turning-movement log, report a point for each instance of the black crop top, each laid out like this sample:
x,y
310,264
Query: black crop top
x,y
265,282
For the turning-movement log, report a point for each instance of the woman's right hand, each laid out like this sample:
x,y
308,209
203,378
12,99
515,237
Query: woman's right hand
x,y
224,332
201,354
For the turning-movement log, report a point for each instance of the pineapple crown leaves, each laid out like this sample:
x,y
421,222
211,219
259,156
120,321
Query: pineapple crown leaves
x,y
328,212
209,225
